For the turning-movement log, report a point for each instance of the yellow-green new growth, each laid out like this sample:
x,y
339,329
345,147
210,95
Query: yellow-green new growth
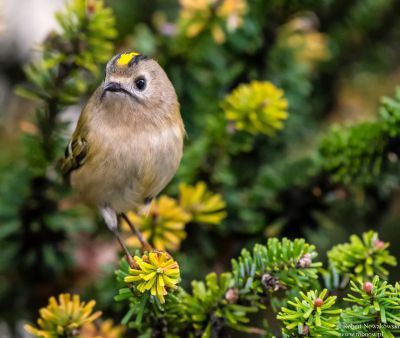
x,y
257,107
63,318
363,257
312,315
156,272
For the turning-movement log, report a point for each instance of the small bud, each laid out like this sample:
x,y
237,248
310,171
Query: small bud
x,y
379,244
305,261
232,295
271,283
318,302
367,287
306,330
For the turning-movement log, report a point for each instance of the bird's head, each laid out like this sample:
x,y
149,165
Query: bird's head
x,y
136,80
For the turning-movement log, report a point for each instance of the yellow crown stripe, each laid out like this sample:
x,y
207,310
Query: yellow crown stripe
x,y
125,58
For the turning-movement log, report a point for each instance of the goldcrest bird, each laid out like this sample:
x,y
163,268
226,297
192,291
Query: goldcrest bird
x,y
128,142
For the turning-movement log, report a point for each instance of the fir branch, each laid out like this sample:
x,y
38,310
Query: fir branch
x,y
376,309
363,257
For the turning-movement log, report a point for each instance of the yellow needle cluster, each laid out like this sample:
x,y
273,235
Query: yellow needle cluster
x,y
203,205
310,46
163,225
156,273
256,107
63,318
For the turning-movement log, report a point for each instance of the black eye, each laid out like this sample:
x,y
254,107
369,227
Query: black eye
x,y
140,83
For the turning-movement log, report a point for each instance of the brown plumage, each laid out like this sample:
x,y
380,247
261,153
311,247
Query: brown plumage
x,y
128,141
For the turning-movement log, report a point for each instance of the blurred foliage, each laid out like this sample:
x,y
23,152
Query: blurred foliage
x,y
36,225
70,57
105,330
206,15
257,108
203,206
358,153
260,83
64,318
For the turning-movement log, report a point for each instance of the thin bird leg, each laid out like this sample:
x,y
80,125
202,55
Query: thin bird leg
x,y
111,220
128,256
145,245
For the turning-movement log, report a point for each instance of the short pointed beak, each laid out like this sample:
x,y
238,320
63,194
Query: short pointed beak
x,y
113,87
116,88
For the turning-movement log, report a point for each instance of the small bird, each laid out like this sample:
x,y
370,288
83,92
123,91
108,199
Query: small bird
x,y
128,141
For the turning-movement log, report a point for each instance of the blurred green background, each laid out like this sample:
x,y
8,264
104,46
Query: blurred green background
x,y
334,61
